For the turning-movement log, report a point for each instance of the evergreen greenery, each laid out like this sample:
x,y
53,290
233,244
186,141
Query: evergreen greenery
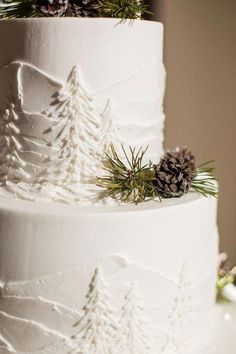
x,y
17,9
204,180
129,180
124,9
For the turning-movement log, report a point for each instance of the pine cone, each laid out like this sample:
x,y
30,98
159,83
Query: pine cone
x,y
173,175
185,154
51,8
83,8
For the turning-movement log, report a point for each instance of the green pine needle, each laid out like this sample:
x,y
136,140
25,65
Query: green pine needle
x,y
204,181
17,9
128,180
124,9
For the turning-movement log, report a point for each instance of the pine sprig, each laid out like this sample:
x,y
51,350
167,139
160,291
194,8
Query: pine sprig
x,y
204,180
17,9
128,180
124,9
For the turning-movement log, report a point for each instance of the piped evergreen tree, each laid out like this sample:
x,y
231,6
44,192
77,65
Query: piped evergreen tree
x,y
12,167
180,317
108,130
132,337
76,129
96,330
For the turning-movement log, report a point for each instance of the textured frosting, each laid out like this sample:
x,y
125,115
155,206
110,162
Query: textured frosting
x,y
157,257
70,87
119,279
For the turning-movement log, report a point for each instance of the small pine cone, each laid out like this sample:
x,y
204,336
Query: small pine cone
x,y
83,8
51,8
185,154
173,176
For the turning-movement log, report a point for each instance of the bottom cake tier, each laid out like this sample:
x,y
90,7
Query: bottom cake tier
x,y
106,280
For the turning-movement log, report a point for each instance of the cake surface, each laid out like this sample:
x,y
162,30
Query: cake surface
x,y
159,259
106,75
77,275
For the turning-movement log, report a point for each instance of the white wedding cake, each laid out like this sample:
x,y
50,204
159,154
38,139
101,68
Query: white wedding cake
x,y
80,274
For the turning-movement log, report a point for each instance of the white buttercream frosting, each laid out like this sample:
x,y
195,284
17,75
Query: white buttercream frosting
x,y
60,318
174,273
56,129
102,279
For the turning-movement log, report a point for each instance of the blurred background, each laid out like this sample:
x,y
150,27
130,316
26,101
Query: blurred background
x,y
200,103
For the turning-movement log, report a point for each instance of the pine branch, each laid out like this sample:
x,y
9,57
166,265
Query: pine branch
x,y
204,180
124,9
17,9
128,180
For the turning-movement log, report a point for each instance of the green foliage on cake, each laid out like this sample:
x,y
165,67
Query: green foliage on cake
x,y
16,9
128,179
124,9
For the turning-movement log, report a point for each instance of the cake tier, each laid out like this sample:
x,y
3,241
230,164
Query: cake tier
x,y
149,269
69,87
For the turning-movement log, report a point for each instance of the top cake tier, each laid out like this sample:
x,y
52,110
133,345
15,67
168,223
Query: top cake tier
x,y
106,50
116,67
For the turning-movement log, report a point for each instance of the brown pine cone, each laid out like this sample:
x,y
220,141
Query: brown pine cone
x,y
51,8
185,154
83,8
173,176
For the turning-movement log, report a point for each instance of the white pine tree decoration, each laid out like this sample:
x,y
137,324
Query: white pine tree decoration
x,y
132,337
77,128
108,130
12,166
96,330
180,317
